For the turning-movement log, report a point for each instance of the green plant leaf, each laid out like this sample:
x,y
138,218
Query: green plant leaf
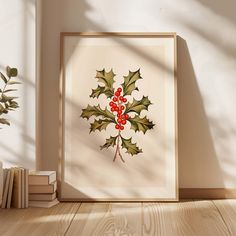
x,y
3,77
99,125
129,82
107,79
5,98
9,90
13,82
109,142
131,148
11,72
141,124
13,104
138,106
1,108
97,111
4,121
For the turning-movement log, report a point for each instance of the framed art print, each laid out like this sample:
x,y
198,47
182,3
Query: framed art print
x,y
118,117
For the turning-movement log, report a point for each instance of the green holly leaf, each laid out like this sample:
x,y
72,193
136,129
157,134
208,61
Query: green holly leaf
x,y
131,148
138,106
141,124
101,90
129,82
107,79
99,125
4,121
97,111
109,142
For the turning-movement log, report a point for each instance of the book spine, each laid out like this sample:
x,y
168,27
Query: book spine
x,y
6,187
42,197
16,193
41,189
22,189
41,178
9,196
26,188
38,180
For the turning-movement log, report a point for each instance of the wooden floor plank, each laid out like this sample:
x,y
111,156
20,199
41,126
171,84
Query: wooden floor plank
x,y
127,218
183,219
37,221
95,219
203,218
90,219
227,210
9,218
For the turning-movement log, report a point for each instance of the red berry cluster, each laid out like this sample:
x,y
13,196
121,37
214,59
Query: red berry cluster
x,y
117,106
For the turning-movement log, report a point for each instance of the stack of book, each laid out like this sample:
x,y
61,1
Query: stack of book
x,y
42,189
15,187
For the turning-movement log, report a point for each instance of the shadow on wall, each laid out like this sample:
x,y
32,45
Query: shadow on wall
x,y
50,71
22,157
197,156
49,114
223,122
23,130
220,9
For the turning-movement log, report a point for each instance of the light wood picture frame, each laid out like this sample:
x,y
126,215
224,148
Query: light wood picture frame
x,y
118,117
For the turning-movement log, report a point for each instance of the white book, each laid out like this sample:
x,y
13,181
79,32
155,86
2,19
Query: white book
x,y
42,177
16,193
3,183
6,187
51,188
43,204
9,195
22,187
42,197
26,190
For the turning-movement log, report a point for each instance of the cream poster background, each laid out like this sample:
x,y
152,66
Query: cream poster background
x,y
90,172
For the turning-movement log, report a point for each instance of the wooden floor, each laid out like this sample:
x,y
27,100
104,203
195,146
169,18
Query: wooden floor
x,y
203,218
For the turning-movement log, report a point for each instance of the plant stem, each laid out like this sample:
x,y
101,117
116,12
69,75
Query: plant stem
x,y
5,86
117,153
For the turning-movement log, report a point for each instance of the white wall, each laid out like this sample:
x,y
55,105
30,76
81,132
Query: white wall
x,y
17,49
206,75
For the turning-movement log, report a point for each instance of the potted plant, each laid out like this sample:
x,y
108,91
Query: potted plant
x,y
7,104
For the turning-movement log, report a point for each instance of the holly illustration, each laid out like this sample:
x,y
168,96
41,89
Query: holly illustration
x,y
119,112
